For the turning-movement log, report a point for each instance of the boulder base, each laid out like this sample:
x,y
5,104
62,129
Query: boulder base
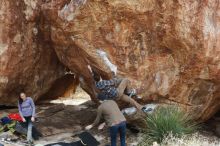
x,y
168,49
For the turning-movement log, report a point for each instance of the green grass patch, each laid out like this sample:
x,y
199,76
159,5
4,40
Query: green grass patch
x,y
167,120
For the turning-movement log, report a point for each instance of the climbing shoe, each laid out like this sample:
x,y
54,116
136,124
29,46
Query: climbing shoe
x,y
131,92
146,110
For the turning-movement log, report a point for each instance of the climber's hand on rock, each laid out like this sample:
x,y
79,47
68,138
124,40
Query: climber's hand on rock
x,y
101,126
88,127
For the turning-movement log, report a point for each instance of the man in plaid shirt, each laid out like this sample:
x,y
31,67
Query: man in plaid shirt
x,y
116,89
108,87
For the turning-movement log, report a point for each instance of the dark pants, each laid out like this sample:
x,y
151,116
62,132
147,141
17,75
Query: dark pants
x,y
114,130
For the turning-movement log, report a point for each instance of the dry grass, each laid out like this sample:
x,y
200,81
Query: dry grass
x,y
190,140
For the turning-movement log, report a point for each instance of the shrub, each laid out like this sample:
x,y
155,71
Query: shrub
x,y
166,120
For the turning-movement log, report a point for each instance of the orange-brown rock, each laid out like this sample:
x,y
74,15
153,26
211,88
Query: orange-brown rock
x,y
169,50
27,60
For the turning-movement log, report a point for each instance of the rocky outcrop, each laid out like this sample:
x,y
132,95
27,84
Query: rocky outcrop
x,y
168,49
27,60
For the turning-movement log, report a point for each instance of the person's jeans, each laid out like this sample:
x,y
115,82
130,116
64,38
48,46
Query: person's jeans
x,y
114,130
29,125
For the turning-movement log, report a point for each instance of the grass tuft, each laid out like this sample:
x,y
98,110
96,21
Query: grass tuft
x,y
167,120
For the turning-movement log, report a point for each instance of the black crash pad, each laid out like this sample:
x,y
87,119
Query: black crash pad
x,y
88,139
77,143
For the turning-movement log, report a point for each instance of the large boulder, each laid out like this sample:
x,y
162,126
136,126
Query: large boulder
x,y
27,59
168,49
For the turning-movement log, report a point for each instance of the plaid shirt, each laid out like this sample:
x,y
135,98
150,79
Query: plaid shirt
x,y
108,88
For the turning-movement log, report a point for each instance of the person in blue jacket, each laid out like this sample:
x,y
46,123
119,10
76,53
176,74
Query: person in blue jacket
x,y
26,109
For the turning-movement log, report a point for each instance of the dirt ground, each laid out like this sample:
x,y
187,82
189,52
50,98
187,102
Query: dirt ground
x,y
62,119
62,123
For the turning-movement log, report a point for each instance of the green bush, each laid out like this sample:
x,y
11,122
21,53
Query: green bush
x,y
166,120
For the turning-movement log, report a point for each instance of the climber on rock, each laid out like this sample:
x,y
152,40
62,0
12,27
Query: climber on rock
x,y
117,89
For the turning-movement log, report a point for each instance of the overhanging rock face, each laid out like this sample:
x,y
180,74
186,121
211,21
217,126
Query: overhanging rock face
x,y
168,49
